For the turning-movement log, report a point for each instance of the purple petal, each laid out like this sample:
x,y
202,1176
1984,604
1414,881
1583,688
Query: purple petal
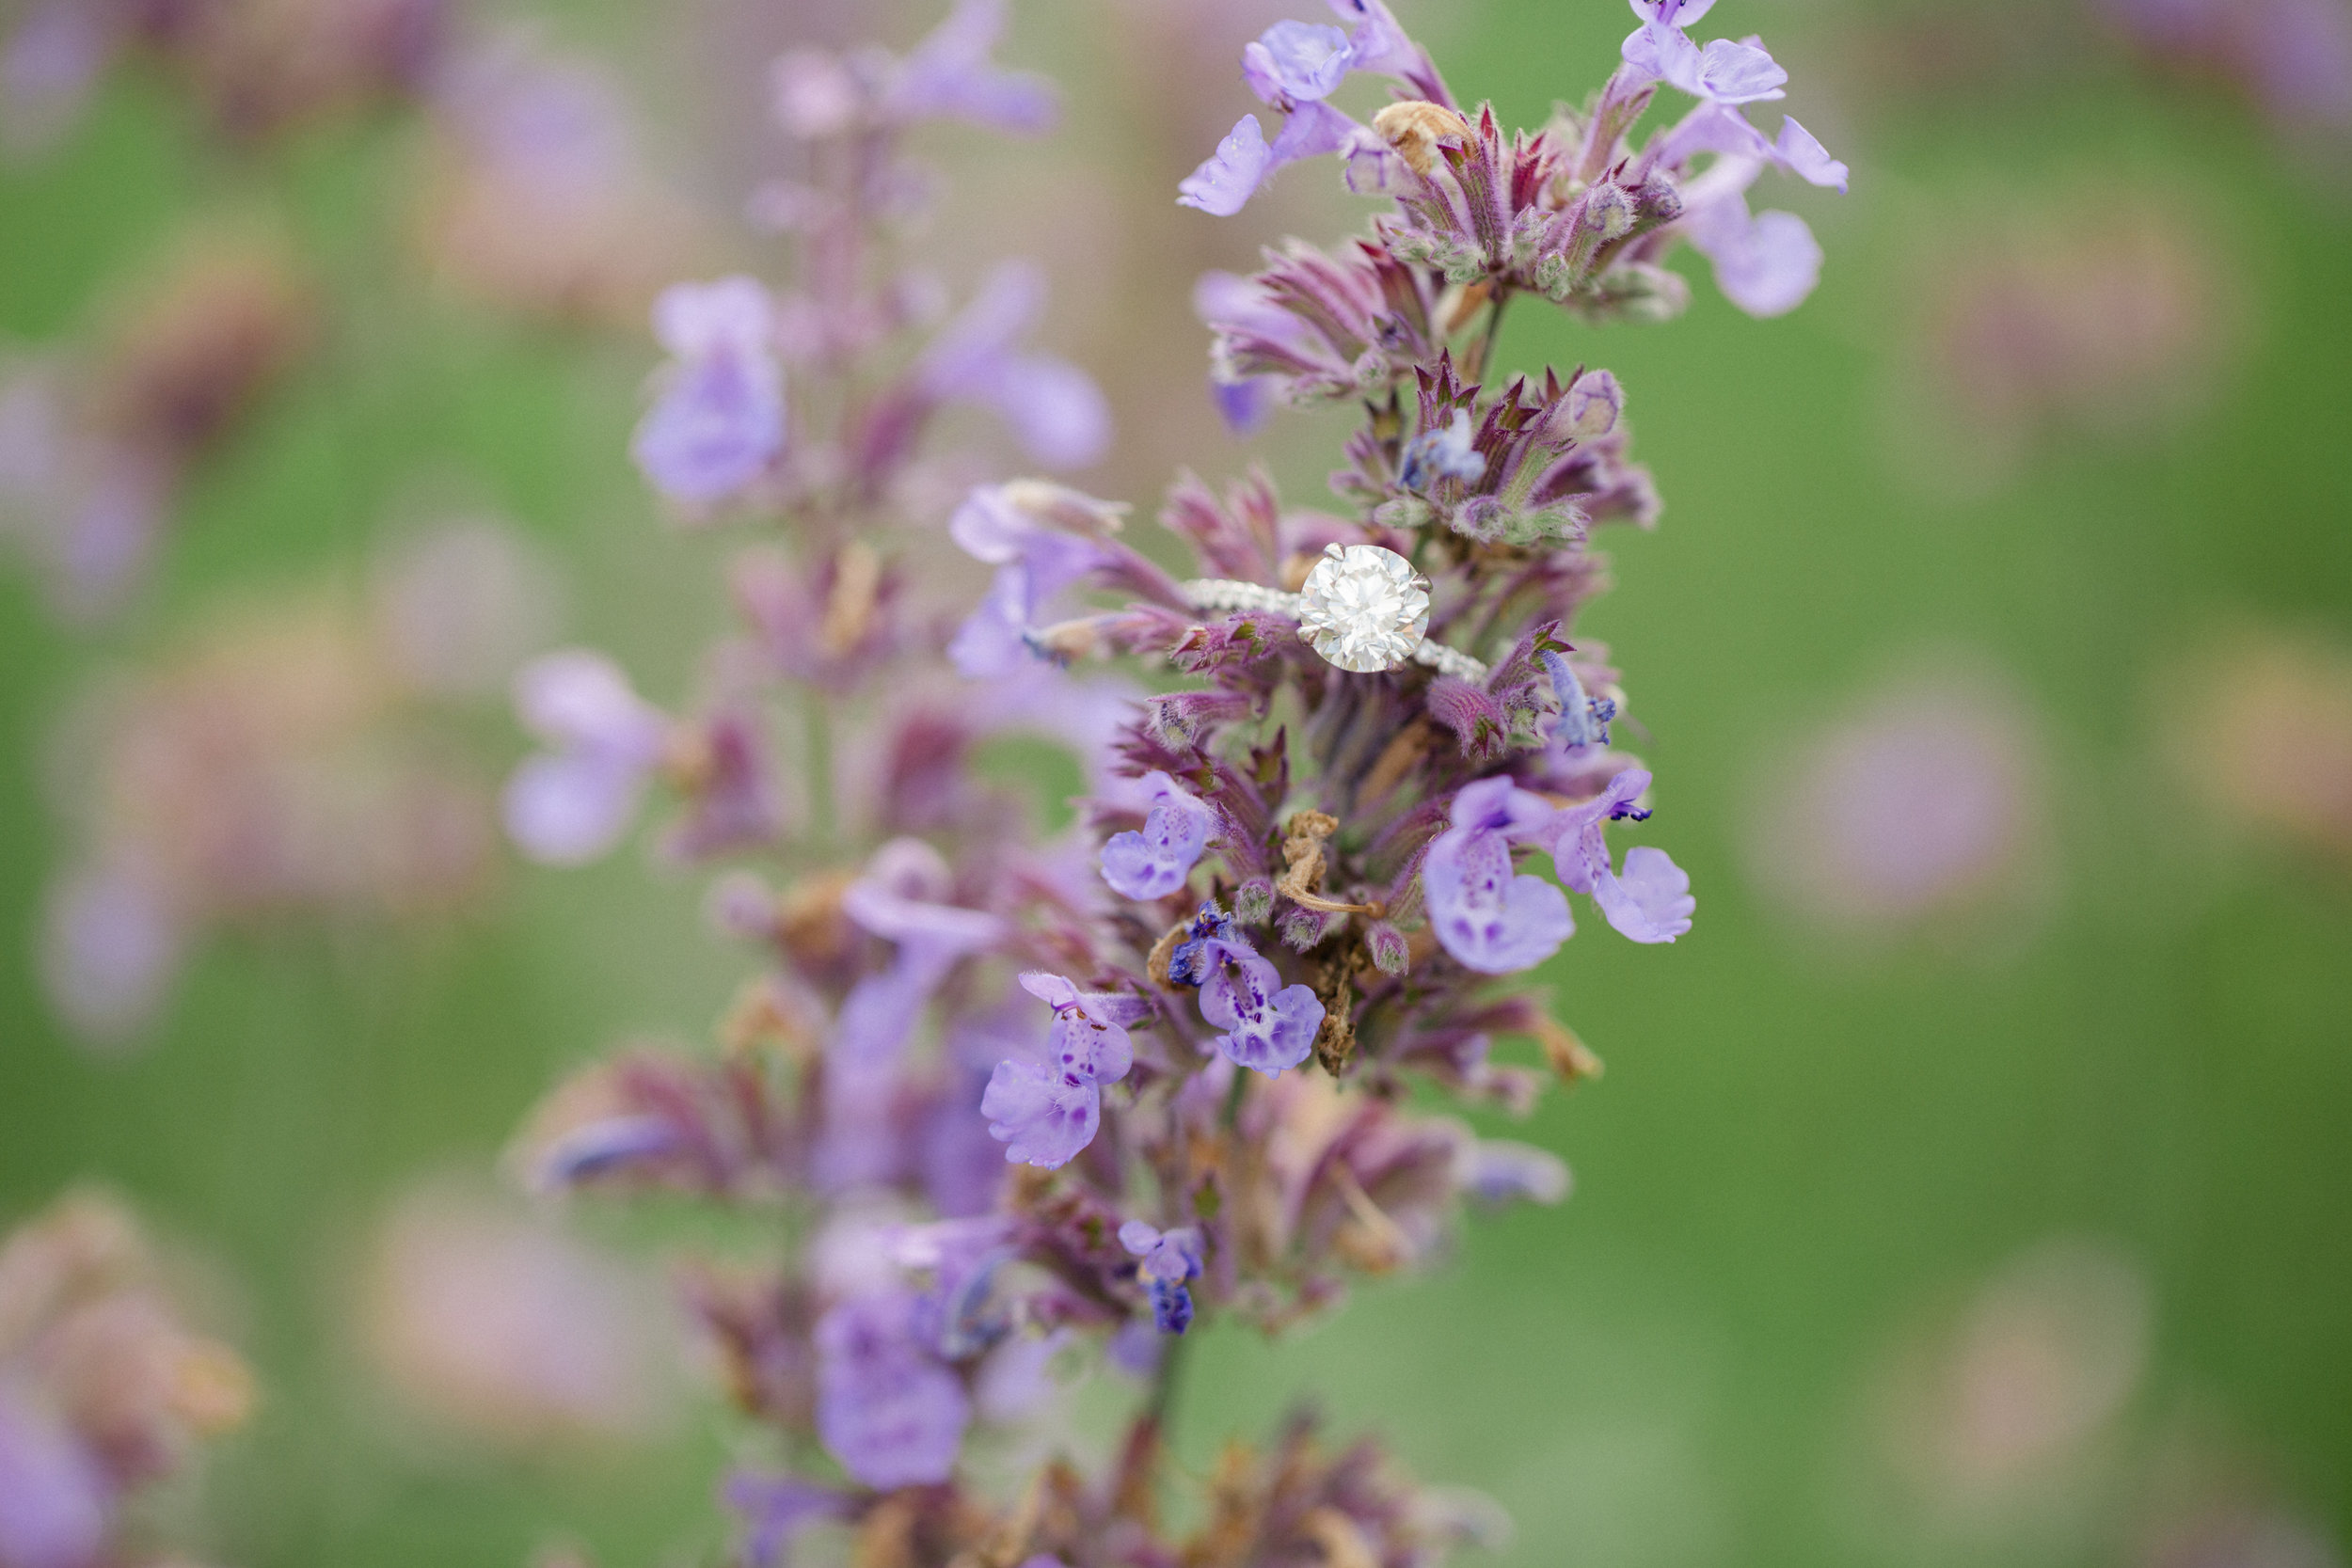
x,y
1484,916
47,67
775,1510
731,315
1043,1119
1651,900
1662,54
949,74
109,951
717,426
1157,860
576,697
967,356
1766,264
1055,408
889,1410
567,808
1806,158
1266,1030
1495,1170
57,1505
1244,405
1379,43
1298,60
1312,131
1735,72
1224,184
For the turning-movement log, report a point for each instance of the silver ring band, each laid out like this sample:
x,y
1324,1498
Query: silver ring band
x,y
1229,595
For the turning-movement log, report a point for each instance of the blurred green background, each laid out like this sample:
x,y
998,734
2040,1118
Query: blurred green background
x,y
1751,1335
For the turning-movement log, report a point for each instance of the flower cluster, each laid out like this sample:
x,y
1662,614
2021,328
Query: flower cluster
x,y
1036,1104
104,1390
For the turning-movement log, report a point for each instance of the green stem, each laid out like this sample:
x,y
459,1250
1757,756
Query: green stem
x,y
1483,354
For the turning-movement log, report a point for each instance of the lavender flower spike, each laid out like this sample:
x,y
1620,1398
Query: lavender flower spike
x,y
1046,1115
1156,863
1484,916
569,804
1651,901
719,421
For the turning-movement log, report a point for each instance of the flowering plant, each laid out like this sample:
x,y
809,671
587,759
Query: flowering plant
x,y
1027,1103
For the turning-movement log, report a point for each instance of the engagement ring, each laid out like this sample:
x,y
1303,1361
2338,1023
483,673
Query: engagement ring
x,y
1362,607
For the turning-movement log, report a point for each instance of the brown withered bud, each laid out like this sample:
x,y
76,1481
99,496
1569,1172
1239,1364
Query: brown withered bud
x,y
1415,127
810,924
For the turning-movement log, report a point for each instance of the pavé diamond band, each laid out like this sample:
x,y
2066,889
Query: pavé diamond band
x,y
1362,607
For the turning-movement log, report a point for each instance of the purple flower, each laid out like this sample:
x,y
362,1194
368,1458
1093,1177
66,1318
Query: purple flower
x,y
1000,525
887,1407
1045,1114
1766,263
1055,409
719,421
1723,73
1487,917
1295,63
55,1504
47,67
1651,901
1170,1259
1189,965
571,803
1801,154
951,75
111,946
1266,1028
1379,43
1156,862
775,1510
1442,452
1223,185
1497,1171
881,1010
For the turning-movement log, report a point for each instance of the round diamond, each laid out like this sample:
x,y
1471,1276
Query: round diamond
x,y
1364,607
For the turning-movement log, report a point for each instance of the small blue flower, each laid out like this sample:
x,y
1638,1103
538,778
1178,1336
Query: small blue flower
x,y
1443,452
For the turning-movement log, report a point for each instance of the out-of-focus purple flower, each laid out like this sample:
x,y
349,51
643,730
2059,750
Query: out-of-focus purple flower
x,y
1924,798
731,796
1268,1026
1767,264
882,1008
1005,526
602,1146
1047,1114
1055,409
47,67
1170,1259
501,1326
1487,917
571,803
1442,452
1498,1171
1156,862
949,75
1651,900
1300,61
57,1505
719,421
775,1510
1226,302
2295,56
887,1407
111,946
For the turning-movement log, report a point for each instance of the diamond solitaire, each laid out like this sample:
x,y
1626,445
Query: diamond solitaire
x,y
1364,607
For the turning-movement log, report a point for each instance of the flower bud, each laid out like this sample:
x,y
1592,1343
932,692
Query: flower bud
x,y
1253,901
1390,953
1593,405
